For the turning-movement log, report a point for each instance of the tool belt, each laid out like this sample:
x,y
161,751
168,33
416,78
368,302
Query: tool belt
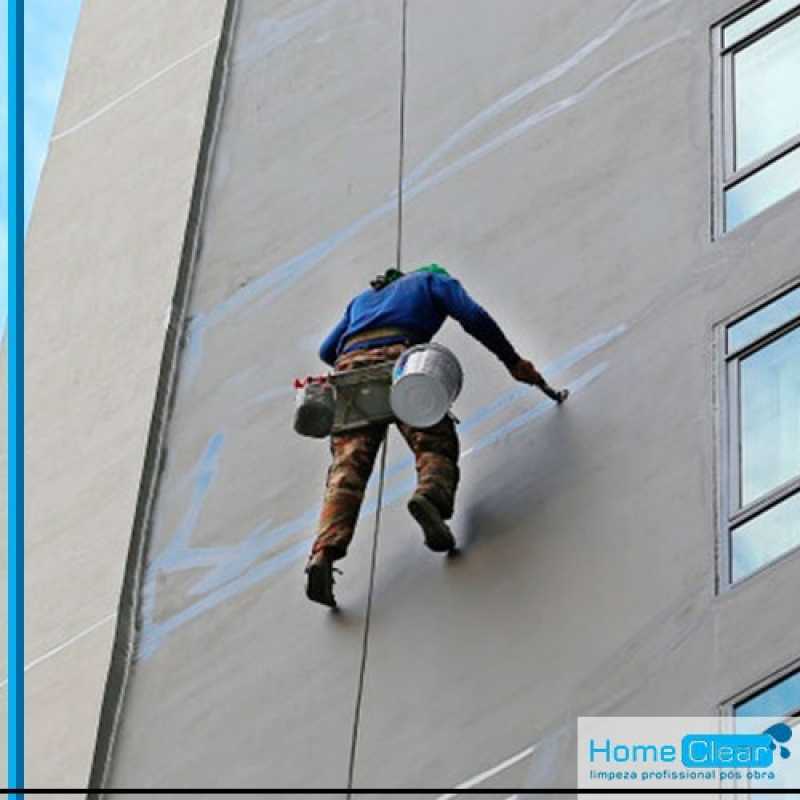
x,y
362,396
375,334
347,400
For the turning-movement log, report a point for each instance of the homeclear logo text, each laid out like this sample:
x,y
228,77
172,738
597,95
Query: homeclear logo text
x,y
686,752
701,751
704,750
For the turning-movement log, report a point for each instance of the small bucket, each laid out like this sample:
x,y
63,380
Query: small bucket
x,y
315,403
426,381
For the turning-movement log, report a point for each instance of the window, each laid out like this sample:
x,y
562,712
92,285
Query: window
x,y
779,698
757,110
760,469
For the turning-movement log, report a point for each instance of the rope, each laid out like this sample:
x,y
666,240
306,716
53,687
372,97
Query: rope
x,y
365,644
385,447
402,136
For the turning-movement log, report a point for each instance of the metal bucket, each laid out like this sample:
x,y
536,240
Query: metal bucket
x,y
426,381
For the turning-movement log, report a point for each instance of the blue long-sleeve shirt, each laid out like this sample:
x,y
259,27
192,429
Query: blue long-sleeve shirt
x,y
418,303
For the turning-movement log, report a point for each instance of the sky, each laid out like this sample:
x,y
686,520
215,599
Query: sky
x,y
49,27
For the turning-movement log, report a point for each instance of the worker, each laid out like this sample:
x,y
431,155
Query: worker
x,y
397,311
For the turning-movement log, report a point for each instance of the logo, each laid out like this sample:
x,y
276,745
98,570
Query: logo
x,y
692,752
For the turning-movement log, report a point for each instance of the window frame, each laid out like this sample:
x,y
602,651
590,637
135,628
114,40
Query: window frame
x,y
725,176
730,513
728,707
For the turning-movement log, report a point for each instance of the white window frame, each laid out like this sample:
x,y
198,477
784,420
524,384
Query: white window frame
x,y
730,514
725,176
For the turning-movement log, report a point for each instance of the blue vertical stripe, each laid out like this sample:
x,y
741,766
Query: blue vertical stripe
x,y
16,485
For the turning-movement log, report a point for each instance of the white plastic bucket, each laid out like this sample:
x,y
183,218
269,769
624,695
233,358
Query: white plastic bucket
x,y
426,381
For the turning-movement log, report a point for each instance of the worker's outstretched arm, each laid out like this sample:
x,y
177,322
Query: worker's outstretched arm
x,y
477,322
328,348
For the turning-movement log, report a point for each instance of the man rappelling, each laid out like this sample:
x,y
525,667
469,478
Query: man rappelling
x,y
399,311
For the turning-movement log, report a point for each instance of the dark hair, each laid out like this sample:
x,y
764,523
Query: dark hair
x,y
390,276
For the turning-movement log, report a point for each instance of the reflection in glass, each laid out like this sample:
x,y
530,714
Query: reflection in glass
x,y
762,15
779,700
752,195
766,319
766,79
769,382
765,538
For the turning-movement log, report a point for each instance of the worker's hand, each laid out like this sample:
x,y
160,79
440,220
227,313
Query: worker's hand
x,y
525,372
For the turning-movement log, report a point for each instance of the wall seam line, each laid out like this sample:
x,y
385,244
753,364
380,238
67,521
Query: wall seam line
x,y
64,645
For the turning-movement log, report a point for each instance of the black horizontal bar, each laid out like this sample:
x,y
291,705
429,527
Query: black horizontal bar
x,y
488,791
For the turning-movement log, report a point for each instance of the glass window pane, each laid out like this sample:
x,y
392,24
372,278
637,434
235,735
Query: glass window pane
x,y
765,538
766,77
769,382
766,319
762,15
779,700
761,190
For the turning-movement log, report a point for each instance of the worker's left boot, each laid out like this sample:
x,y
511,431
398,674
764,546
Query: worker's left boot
x,y
319,579
438,536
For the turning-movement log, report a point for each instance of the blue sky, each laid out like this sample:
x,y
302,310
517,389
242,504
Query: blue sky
x,y
49,27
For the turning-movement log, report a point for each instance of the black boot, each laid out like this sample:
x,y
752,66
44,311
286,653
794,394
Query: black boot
x,y
319,581
438,536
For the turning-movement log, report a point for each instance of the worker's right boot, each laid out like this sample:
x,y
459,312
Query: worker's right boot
x,y
438,536
319,579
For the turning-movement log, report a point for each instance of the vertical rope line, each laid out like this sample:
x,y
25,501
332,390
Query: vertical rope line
x,y
374,556
402,136
365,644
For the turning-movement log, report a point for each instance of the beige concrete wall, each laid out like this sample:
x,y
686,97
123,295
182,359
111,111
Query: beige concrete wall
x,y
558,162
103,252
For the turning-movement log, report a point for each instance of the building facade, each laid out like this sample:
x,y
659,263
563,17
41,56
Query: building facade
x,y
616,182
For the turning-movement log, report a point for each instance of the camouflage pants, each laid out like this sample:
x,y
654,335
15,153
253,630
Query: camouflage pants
x,y
354,453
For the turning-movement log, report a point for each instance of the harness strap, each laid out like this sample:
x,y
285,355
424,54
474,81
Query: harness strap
x,y
374,333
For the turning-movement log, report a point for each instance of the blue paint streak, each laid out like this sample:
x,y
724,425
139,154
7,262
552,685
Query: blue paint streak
x,y
259,541
154,633
537,410
178,554
204,475
637,9
16,403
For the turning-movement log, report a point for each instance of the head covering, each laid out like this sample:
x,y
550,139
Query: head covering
x,y
435,269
